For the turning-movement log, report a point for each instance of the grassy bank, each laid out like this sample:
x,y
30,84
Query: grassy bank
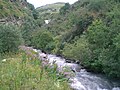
x,y
22,73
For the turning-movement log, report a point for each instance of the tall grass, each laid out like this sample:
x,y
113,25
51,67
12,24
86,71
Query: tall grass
x,y
22,73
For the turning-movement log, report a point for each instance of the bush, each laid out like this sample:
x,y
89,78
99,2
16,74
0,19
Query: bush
x,y
104,43
10,38
43,41
28,27
78,50
97,6
64,9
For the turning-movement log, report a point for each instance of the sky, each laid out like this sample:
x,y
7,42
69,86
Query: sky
x,y
38,3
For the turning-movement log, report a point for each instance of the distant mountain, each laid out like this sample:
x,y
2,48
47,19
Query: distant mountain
x,y
50,8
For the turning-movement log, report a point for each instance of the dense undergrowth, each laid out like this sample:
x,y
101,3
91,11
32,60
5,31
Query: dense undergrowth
x,y
21,72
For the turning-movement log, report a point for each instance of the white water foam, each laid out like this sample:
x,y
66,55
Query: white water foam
x,y
83,80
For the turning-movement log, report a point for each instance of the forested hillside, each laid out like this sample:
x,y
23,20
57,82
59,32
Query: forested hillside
x,y
87,31
93,35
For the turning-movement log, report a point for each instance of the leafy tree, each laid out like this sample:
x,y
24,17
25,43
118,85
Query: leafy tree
x,y
43,40
97,6
104,43
81,24
10,38
78,50
35,14
31,6
65,8
28,28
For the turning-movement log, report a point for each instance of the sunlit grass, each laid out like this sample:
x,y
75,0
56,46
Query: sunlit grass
x,y
20,73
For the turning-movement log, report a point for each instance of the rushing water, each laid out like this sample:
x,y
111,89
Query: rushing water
x,y
82,80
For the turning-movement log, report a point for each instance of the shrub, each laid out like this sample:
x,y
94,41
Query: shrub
x,y
65,8
104,43
27,29
43,40
78,50
10,38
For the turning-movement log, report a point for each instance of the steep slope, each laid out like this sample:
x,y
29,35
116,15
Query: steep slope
x,y
19,13
14,11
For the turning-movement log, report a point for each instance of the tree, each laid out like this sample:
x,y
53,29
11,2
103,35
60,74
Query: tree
x,y
35,14
64,9
104,44
29,26
79,50
43,41
10,38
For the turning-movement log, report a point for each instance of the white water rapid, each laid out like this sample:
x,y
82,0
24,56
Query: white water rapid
x,y
82,80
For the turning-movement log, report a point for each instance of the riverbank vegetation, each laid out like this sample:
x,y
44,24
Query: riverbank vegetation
x,y
21,71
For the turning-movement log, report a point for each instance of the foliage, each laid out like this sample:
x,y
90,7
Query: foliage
x,y
43,41
35,14
28,28
59,45
104,51
49,11
78,50
31,6
97,6
65,8
10,38
81,24
22,73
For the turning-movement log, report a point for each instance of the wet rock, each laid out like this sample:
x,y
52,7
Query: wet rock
x,y
68,61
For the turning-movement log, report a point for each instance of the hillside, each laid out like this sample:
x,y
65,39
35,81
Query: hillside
x,y
88,31
49,10
16,16
14,11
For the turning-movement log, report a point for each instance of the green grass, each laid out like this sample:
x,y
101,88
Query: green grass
x,y
20,73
